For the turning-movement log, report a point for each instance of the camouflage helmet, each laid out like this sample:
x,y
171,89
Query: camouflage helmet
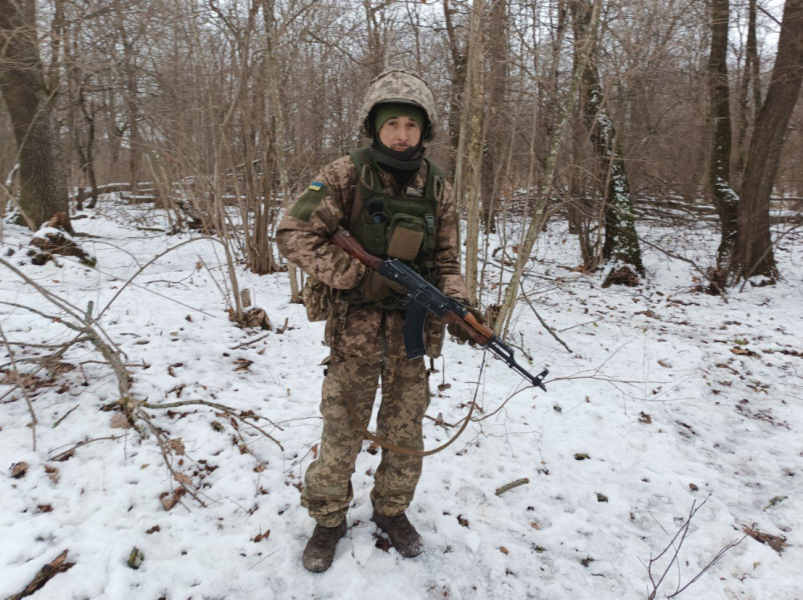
x,y
399,85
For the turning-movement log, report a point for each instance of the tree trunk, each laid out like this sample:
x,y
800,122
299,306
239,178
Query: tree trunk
x,y
457,90
131,100
750,77
752,253
719,178
475,145
621,240
274,114
43,187
585,44
494,116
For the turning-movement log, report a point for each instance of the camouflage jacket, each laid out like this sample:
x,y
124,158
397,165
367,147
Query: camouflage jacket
x,y
359,330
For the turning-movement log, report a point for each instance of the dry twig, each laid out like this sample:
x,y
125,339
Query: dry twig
x,y
21,386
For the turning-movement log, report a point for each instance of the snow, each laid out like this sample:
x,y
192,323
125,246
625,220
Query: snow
x,y
723,400
44,232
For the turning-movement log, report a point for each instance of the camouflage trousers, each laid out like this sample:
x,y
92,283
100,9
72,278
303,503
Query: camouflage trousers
x,y
405,397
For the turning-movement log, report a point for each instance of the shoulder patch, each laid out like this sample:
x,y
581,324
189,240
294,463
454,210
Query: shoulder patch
x,y
309,201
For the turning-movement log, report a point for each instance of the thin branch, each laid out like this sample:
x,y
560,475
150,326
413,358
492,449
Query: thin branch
x,y
711,280
547,327
67,453
22,387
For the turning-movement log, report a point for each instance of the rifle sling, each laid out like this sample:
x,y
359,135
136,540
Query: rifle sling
x,y
393,447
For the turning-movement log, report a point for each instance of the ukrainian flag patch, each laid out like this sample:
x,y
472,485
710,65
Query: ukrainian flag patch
x,y
309,200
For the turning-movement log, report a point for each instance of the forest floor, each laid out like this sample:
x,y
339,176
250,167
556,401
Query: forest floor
x,y
669,398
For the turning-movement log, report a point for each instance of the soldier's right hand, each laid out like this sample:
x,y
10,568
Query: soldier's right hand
x,y
374,287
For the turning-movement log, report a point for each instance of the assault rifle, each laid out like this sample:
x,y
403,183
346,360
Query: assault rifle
x,y
421,297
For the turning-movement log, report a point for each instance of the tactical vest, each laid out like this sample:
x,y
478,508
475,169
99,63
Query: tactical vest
x,y
390,226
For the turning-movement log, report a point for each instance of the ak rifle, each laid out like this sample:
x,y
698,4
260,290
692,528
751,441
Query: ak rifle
x,y
421,297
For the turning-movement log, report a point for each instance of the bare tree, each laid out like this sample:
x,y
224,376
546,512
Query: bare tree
x,y
752,254
621,240
719,180
474,102
43,188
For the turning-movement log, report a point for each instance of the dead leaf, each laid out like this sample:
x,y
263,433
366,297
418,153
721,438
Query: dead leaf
x,y
645,418
243,364
119,421
170,500
153,530
19,470
664,364
373,448
44,508
462,520
382,543
177,446
743,351
183,479
775,542
259,468
535,525
315,451
504,550
693,487
262,536
53,473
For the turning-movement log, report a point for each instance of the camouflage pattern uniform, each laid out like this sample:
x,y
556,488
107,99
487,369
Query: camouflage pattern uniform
x,y
366,341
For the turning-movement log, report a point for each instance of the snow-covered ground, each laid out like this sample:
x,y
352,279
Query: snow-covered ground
x,y
673,396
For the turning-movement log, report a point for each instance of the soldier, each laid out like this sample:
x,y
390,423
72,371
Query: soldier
x,y
395,203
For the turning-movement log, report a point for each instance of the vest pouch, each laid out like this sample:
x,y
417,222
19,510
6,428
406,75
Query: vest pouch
x,y
373,231
317,299
406,235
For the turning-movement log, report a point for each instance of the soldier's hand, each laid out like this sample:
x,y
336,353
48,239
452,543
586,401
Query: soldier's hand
x,y
374,287
460,333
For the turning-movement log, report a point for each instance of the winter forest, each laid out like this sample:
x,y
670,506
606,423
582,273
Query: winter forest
x,y
627,178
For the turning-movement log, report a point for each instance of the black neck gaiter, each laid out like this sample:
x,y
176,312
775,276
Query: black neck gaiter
x,y
403,165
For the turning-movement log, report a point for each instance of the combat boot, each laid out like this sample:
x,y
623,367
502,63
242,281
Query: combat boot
x,y
320,550
402,534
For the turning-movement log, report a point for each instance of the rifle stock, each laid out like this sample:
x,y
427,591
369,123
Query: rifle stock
x,y
345,241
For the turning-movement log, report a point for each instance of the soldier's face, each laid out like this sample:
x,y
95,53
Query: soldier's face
x,y
400,133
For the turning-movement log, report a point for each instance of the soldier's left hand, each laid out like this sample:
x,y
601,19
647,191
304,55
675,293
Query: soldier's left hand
x,y
460,333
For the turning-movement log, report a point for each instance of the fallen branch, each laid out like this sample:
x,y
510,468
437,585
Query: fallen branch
x,y
512,485
45,574
22,387
246,418
249,342
163,448
68,453
57,423
710,279
547,327
683,533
